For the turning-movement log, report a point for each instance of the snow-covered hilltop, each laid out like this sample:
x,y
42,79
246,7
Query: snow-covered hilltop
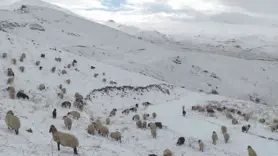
x,y
66,54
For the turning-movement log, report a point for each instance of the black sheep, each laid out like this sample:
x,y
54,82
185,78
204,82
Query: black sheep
x,y
245,128
126,111
42,55
136,105
66,104
133,109
158,124
54,114
22,95
180,141
210,110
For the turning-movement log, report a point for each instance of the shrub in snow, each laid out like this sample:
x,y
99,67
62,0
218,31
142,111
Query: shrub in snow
x,y
58,59
40,68
53,69
69,65
4,55
41,87
214,92
36,27
14,61
60,86
112,82
10,80
103,74
92,67
74,62
96,75
21,68
22,57
60,95
38,63
64,71
29,130
68,81
234,122
104,80
42,55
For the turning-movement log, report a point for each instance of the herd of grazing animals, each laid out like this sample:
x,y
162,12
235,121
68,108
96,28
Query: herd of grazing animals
x,y
68,140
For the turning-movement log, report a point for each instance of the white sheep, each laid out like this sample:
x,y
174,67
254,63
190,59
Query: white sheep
x,y
146,116
226,137
104,131
153,132
167,152
12,121
136,117
223,129
75,114
107,121
116,135
64,139
91,129
139,124
67,122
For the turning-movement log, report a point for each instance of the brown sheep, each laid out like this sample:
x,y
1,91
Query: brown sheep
x,y
64,139
67,122
116,135
153,132
152,125
91,129
251,152
12,92
104,131
201,145
139,124
75,114
223,129
167,152
214,137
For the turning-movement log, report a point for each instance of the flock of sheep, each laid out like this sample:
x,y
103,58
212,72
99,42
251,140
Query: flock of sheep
x,y
97,127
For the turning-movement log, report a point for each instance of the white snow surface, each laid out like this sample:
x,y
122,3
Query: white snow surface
x,y
91,44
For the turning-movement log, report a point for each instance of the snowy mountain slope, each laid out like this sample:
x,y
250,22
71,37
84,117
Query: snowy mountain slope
x,y
99,42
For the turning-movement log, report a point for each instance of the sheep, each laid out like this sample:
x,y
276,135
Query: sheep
x,y
195,108
158,124
10,72
152,125
91,129
223,129
107,121
64,71
12,121
245,128
133,109
219,109
238,112
210,110
144,125
14,61
214,137
10,80
136,105
251,152
68,81
38,63
12,92
136,117
153,132
234,121
201,145
246,117
183,112
262,121
126,111
275,120
69,65
22,57
154,115
4,55
180,141
116,135
146,104
97,125
42,55
201,109
58,59
67,122
66,104
75,114
54,113
145,116
229,115
20,94
64,90
104,131
64,139
226,137
152,155
139,124
274,127
167,152
40,68
41,87
78,96
21,68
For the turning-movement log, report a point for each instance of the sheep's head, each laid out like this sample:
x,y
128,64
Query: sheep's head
x,y
10,112
64,117
52,129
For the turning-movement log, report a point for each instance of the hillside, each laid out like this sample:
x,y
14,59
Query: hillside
x,y
90,59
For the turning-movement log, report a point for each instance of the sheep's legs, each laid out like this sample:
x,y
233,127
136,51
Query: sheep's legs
x,y
16,131
75,150
58,145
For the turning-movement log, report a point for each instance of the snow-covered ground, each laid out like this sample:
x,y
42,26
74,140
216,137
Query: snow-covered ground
x,y
153,74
